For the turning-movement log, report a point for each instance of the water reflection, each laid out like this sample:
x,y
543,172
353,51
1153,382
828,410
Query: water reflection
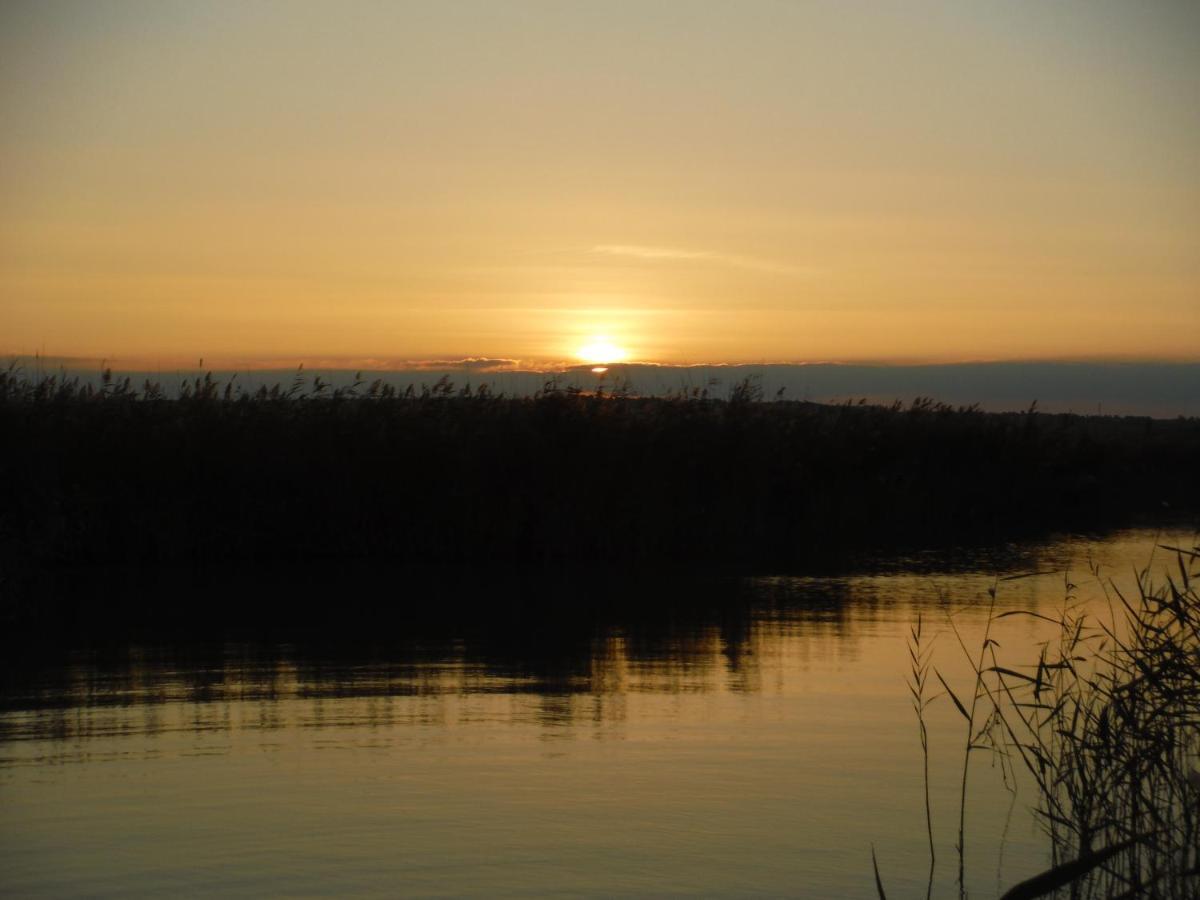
x,y
599,737
557,658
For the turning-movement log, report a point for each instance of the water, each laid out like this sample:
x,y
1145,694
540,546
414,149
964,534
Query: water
x,y
757,741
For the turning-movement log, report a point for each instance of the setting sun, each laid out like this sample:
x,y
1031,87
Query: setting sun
x,y
600,350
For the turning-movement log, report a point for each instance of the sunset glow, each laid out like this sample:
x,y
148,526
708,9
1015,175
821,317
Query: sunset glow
x,y
542,448
785,182
601,351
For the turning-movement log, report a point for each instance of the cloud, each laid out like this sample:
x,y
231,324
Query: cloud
x,y
469,364
481,364
655,254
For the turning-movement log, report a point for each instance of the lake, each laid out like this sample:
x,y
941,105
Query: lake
x,y
729,737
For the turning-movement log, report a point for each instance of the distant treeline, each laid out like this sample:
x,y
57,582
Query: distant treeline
x,y
122,474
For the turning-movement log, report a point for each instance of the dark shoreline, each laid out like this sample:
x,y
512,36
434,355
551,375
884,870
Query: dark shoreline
x,y
121,478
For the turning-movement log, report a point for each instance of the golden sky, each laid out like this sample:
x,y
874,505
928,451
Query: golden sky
x,y
685,181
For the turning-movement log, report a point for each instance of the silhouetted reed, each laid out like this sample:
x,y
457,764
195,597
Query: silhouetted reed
x,y
117,474
1105,724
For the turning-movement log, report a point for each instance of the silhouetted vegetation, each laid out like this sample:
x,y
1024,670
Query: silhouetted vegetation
x,y
1105,725
118,474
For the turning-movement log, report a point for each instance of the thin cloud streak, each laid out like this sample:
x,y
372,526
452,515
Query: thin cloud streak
x,y
670,254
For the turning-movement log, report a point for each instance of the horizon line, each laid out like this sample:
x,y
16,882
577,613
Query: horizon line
x,y
502,365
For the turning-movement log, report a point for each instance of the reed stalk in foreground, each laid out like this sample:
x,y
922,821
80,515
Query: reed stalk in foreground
x,y
973,715
919,652
1106,724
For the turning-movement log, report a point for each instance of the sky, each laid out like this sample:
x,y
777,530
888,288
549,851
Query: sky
x,y
675,182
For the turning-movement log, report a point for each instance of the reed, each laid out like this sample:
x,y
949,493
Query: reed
x,y
1105,724
977,719
119,474
920,651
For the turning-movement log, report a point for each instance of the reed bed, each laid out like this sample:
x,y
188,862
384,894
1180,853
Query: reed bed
x,y
136,475
1105,726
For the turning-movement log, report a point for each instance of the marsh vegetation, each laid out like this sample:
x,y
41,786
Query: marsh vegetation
x,y
119,474
1104,725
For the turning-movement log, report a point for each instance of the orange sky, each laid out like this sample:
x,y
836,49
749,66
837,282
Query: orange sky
x,y
691,181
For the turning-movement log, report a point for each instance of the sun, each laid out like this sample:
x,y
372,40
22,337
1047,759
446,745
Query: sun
x,y
601,351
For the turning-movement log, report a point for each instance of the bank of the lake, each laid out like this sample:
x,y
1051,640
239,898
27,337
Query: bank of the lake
x,y
124,475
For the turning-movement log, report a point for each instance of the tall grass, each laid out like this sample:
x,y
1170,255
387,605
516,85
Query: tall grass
x,y
920,653
1105,725
136,475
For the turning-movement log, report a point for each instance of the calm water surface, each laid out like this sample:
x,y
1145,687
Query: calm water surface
x,y
757,742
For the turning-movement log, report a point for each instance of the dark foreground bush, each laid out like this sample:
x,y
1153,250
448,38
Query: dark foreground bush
x,y
118,475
